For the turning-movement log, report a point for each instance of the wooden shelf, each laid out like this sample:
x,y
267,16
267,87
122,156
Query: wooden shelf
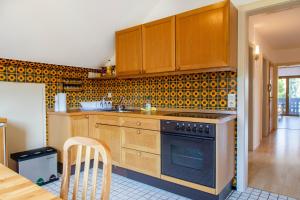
x,y
104,77
72,83
73,90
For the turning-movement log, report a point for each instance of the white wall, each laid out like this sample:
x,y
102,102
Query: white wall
x,y
287,55
165,8
274,55
257,102
23,104
256,39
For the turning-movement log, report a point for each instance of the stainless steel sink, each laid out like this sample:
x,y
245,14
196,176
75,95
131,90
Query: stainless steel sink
x,y
118,111
121,111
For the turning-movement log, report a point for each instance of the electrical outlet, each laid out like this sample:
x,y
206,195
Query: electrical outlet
x,y
231,101
109,95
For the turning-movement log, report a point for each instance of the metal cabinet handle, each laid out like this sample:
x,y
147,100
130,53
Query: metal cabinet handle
x,y
87,116
139,154
138,123
138,131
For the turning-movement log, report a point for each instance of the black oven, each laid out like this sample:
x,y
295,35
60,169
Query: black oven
x,y
188,151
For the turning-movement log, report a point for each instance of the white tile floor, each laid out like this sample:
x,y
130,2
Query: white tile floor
x,y
256,194
123,188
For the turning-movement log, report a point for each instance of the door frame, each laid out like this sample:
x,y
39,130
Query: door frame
x,y
287,92
243,82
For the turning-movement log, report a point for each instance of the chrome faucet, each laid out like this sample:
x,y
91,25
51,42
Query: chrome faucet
x,y
120,106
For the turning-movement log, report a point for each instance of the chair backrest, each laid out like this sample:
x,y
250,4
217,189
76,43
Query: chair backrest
x,y
90,145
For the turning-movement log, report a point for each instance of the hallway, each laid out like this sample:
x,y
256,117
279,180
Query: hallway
x,y
289,122
275,165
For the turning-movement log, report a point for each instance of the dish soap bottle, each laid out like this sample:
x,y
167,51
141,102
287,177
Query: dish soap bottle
x,y
148,104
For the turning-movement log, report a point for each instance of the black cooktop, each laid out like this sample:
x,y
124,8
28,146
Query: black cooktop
x,y
198,115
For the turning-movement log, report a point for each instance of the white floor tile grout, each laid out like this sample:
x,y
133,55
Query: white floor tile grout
x,y
123,188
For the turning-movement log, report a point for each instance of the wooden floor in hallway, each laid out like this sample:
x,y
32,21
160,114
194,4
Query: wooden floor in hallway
x,y
275,165
289,122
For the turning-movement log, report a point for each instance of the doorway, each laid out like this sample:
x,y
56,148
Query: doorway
x,y
275,89
289,96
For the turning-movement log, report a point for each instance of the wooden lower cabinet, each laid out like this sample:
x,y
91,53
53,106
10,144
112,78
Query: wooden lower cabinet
x,y
141,147
143,140
79,127
62,127
3,150
146,163
110,135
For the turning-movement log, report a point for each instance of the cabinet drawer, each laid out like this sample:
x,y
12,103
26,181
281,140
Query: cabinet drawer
x,y
142,162
150,124
142,140
133,122
106,120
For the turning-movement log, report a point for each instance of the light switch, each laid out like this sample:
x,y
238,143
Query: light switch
x,y
231,101
109,95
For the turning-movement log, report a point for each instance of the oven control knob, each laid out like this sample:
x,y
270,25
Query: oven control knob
x,y
188,128
182,127
201,129
206,129
177,127
194,129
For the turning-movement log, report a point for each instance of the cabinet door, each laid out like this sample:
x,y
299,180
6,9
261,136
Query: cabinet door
x,y
111,135
3,151
79,127
129,51
159,46
202,38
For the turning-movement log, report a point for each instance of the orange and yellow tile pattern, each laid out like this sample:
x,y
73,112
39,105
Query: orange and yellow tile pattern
x,y
52,76
192,91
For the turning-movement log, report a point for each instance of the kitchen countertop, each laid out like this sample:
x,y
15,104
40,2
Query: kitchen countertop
x,y
160,115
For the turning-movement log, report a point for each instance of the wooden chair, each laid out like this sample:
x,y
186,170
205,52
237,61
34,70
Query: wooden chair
x,y
98,148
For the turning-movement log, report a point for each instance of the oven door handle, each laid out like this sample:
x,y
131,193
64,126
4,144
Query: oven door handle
x,y
189,136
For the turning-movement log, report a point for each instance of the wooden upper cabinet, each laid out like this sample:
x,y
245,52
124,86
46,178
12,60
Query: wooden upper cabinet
x,y
207,37
159,46
129,51
204,38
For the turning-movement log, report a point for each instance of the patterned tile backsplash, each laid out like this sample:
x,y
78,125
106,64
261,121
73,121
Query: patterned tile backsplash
x,y
52,76
191,91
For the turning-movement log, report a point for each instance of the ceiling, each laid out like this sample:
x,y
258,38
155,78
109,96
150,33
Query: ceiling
x,y
77,32
280,29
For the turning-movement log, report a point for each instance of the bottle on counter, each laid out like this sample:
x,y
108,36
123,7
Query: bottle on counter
x,y
148,104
